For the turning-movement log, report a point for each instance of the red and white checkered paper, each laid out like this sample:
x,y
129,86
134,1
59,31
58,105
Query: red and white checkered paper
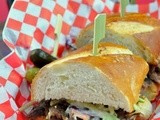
x,y
30,25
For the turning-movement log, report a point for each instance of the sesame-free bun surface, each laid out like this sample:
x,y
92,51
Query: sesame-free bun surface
x,y
138,32
110,79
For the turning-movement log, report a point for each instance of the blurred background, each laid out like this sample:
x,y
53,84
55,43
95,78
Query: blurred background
x,y
4,9
6,4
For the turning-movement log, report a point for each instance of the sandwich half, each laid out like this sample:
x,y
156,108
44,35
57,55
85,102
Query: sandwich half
x,y
138,32
85,87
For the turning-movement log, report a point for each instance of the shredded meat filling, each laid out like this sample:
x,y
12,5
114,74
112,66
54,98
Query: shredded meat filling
x,y
39,111
154,73
57,111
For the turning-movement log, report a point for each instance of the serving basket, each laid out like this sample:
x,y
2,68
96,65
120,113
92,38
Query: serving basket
x,y
30,25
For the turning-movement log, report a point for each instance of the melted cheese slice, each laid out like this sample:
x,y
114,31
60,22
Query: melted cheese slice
x,y
123,27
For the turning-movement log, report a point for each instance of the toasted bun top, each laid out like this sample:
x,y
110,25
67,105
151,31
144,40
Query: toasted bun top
x,y
143,29
113,80
136,17
119,69
109,79
104,48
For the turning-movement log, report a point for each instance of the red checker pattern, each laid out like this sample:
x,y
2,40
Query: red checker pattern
x,y
50,32
14,24
154,14
80,22
13,60
65,28
15,78
60,50
158,2
30,19
143,8
92,15
20,116
46,50
58,10
6,109
144,1
88,2
73,6
38,35
28,61
116,8
37,2
2,81
20,99
106,10
9,44
46,14
156,119
24,40
21,5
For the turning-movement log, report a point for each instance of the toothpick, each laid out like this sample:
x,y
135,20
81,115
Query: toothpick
x,y
57,33
123,4
99,31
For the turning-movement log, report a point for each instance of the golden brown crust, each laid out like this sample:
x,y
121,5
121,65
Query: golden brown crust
x,y
88,47
124,71
142,18
127,76
152,42
135,17
81,52
149,40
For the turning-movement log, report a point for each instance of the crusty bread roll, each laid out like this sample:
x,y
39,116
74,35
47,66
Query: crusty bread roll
x,y
110,79
138,32
103,49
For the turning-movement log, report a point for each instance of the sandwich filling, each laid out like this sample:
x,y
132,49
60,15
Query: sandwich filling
x,y
154,73
71,110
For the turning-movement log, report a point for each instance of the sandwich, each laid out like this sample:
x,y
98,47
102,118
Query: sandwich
x,y
140,34
85,87
137,32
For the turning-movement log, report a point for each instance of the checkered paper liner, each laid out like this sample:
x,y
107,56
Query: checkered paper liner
x,y
31,24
